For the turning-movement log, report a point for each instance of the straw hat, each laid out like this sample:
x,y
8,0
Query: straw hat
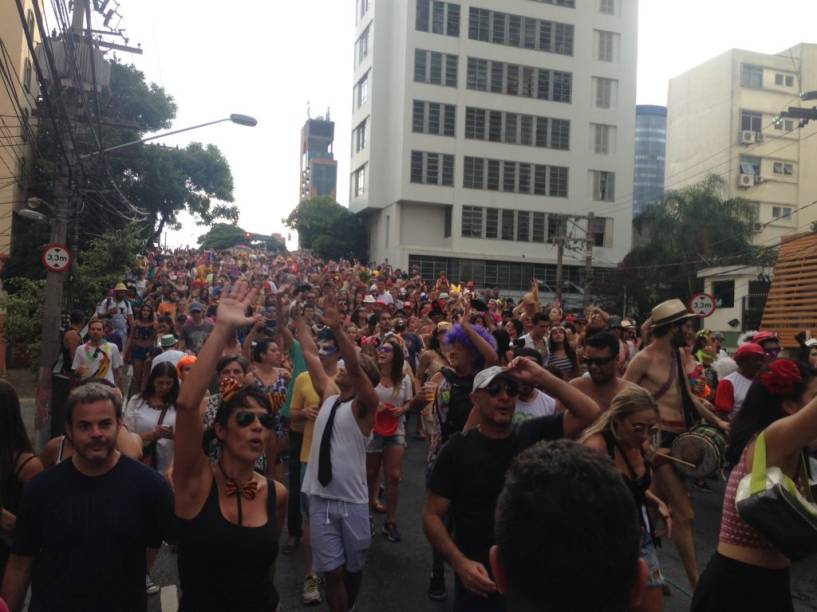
x,y
671,311
120,286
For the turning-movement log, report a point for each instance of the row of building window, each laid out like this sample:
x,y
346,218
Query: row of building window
x,y
515,177
435,68
519,80
567,3
507,275
362,46
360,136
434,118
360,93
361,9
526,226
751,77
515,128
752,166
517,31
438,17
432,168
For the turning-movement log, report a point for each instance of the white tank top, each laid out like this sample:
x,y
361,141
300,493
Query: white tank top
x,y
348,450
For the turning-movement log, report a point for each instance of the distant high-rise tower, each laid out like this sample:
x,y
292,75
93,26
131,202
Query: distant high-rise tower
x,y
319,169
650,155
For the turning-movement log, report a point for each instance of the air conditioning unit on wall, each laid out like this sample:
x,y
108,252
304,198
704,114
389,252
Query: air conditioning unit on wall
x,y
747,137
746,180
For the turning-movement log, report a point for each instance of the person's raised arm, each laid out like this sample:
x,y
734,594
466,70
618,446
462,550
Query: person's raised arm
x,y
484,348
367,400
190,461
581,409
285,336
324,386
788,436
246,346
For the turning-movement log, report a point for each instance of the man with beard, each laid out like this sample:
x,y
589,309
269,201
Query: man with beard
x,y
602,381
83,526
659,368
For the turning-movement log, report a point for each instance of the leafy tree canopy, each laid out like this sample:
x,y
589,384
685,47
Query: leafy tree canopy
x,y
225,236
689,229
157,180
328,229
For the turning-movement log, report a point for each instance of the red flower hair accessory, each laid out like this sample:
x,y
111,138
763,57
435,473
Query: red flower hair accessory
x,y
782,377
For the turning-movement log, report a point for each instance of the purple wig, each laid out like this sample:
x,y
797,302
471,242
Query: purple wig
x,y
457,335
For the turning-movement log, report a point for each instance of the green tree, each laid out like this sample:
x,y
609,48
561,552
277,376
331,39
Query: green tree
x,y
23,301
328,229
148,183
688,230
223,236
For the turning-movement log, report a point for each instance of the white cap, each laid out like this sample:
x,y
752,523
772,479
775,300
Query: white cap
x,y
485,377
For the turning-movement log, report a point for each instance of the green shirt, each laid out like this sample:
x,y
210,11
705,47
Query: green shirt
x,y
296,354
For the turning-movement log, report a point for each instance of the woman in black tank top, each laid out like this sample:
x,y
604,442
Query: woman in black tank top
x,y
230,517
624,433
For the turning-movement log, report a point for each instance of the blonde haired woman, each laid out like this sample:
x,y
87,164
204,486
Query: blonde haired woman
x,y
623,433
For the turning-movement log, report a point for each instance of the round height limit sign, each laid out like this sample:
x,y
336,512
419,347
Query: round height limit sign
x,y
702,305
56,258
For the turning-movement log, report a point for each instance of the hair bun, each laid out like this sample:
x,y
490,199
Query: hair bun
x,y
782,377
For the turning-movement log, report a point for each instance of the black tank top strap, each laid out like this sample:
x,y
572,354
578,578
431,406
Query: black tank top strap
x,y
23,464
610,441
272,502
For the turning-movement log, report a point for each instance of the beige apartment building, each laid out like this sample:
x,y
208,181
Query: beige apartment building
x,y
17,101
723,119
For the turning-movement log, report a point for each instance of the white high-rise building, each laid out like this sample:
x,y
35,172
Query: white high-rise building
x,y
480,136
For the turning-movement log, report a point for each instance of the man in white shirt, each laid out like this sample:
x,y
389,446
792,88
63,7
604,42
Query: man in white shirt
x,y
335,479
537,338
531,402
170,352
98,359
118,301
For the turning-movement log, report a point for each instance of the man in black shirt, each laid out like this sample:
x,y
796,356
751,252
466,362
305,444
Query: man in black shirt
x,y
83,525
470,472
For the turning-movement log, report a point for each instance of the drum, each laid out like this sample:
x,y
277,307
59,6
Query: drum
x,y
704,446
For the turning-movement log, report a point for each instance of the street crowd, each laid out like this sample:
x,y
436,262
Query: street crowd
x,y
561,445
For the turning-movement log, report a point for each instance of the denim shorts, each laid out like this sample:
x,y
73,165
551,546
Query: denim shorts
x,y
655,578
378,442
341,535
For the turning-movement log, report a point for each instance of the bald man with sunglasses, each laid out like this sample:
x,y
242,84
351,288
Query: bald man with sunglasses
x,y
470,471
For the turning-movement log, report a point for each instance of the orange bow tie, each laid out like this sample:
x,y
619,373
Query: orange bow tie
x,y
249,489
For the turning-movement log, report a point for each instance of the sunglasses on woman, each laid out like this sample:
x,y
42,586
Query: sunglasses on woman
x,y
384,349
245,418
495,388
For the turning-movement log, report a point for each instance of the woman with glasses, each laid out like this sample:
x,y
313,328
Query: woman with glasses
x,y
388,444
624,433
230,516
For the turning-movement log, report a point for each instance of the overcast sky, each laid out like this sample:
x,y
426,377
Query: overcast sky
x,y
267,58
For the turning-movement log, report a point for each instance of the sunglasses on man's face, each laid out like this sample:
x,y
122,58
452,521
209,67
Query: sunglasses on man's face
x,y
599,361
510,387
245,418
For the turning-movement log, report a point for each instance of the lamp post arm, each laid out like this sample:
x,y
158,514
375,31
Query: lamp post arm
x,y
162,135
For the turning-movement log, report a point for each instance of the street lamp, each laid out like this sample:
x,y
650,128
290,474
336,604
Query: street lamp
x,y
236,118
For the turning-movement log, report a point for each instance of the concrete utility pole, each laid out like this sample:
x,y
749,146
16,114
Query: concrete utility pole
x,y
588,261
560,255
63,207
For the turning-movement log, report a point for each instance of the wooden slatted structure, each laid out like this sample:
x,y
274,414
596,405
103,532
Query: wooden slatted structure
x,y
792,303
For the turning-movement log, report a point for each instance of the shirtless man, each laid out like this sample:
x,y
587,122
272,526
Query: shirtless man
x,y
602,382
656,368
